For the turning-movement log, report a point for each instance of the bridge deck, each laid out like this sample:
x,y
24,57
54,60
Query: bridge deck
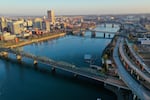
x,y
131,83
138,58
144,75
70,68
103,31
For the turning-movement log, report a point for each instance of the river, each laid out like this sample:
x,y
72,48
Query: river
x,y
22,82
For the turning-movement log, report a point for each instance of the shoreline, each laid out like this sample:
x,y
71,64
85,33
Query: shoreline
x,y
23,43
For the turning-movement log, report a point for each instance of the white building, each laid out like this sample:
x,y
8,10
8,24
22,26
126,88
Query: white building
x,y
16,27
144,41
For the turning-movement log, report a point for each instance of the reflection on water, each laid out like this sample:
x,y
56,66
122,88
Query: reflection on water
x,y
21,82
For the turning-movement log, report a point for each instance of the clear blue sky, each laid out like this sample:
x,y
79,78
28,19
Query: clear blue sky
x,y
68,7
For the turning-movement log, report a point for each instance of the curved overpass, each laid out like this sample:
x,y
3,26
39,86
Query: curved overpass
x,y
137,57
136,88
132,65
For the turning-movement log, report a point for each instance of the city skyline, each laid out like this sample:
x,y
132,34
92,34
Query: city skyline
x,y
77,7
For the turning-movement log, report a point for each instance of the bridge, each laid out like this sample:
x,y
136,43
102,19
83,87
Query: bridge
x,y
107,80
111,21
138,60
129,63
98,31
137,89
94,32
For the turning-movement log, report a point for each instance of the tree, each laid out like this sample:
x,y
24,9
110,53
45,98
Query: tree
x,y
105,57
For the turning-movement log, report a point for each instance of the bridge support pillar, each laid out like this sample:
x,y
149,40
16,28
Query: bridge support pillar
x,y
108,35
119,77
112,25
104,24
131,71
118,88
19,57
104,35
126,66
75,75
93,34
35,62
134,97
123,62
82,33
53,69
142,68
5,54
138,77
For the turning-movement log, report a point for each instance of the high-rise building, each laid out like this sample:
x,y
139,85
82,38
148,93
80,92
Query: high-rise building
x,y
3,24
46,25
28,23
37,23
16,27
51,16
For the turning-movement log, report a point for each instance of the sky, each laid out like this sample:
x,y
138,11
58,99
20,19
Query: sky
x,y
73,7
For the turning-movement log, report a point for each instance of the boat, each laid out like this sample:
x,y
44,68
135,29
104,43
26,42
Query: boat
x,y
87,58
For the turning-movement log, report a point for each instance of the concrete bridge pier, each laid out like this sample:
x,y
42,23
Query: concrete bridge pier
x,y
82,33
5,54
119,77
112,25
108,35
134,97
75,75
142,68
35,63
19,58
104,35
93,34
121,58
127,66
104,24
53,69
131,71
118,88
137,77
123,62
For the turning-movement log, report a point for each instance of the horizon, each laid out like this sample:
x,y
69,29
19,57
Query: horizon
x,y
123,14
66,7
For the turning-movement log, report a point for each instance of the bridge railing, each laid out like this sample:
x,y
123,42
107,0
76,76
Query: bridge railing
x,y
62,65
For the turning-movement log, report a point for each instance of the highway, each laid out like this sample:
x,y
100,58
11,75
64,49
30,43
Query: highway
x,y
136,88
137,57
145,76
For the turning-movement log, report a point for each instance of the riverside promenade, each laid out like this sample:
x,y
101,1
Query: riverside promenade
x,y
30,41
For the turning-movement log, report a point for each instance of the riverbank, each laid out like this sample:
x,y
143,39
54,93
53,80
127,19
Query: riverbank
x,y
30,41
109,68
109,48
